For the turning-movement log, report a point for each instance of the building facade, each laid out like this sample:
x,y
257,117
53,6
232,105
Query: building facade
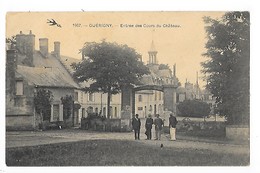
x,y
29,69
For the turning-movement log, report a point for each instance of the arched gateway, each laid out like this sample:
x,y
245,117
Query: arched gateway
x,y
128,97
161,79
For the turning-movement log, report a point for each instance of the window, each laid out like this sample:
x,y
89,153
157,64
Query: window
x,y
140,108
96,110
155,95
83,113
160,95
91,97
81,97
115,112
90,109
151,108
19,88
76,96
56,112
140,98
104,111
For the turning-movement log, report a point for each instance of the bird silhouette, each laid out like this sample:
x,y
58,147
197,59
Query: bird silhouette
x,y
52,22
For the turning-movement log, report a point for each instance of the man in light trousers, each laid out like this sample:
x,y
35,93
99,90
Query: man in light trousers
x,y
158,122
172,125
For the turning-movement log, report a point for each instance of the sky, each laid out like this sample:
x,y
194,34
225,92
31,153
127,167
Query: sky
x,y
179,37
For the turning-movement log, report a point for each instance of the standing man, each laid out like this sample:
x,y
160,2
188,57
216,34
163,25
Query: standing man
x,y
148,127
136,123
158,122
172,125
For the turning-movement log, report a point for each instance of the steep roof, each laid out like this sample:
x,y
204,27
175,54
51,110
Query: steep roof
x,y
164,73
47,77
48,72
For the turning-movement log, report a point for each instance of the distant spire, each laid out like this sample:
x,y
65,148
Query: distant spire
x,y
152,48
152,54
174,70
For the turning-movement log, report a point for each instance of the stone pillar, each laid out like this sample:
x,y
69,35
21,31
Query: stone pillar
x,y
169,98
126,98
126,108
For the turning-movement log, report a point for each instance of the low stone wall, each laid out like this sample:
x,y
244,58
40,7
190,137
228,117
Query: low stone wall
x,y
194,125
238,132
199,128
20,122
99,124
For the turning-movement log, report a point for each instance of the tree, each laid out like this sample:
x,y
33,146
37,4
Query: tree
x,y
109,66
194,108
42,103
67,103
11,41
164,66
227,68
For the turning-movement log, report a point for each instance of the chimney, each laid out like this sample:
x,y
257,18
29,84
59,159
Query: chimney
x,y
25,44
57,49
20,42
43,44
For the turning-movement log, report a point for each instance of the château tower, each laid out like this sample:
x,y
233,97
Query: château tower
x,y
152,54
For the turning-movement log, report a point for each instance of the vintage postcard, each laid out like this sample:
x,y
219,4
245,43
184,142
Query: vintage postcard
x,y
127,88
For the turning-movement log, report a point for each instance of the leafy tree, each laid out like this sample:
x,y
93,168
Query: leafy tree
x,y
194,108
164,66
109,66
11,41
42,102
67,102
227,68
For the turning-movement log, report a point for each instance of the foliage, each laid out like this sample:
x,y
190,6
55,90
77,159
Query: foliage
x,y
227,68
42,102
164,66
109,66
11,41
193,108
67,102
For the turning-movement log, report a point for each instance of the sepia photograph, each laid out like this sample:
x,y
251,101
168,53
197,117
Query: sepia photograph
x,y
128,89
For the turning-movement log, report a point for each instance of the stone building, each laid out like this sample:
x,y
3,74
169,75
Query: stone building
x,y
28,70
151,101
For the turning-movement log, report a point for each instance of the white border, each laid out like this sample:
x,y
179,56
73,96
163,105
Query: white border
x,y
145,5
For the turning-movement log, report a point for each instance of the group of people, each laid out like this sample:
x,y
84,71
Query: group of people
x,y
158,123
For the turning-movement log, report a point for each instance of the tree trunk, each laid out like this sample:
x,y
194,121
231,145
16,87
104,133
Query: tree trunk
x,y
108,103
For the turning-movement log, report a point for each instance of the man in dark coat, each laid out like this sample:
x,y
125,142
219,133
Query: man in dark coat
x,y
136,124
158,123
172,125
148,127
